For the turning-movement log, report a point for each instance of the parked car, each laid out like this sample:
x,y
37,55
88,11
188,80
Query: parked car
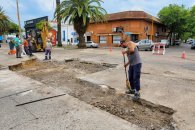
x,y
177,42
144,44
189,41
91,44
166,42
193,44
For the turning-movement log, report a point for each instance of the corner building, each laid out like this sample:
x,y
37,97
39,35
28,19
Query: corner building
x,y
137,24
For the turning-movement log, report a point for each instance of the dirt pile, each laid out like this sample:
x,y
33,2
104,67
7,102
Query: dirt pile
x,y
63,75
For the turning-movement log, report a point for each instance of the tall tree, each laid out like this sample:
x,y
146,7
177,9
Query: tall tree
x,y
4,21
79,13
192,22
58,24
175,18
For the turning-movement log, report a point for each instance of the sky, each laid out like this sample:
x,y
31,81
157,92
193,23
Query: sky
x,y
30,9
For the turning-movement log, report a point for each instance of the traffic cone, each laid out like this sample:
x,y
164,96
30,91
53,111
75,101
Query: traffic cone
x,y
183,55
110,48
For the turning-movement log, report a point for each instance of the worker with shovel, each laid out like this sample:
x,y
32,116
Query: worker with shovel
x,y
135,64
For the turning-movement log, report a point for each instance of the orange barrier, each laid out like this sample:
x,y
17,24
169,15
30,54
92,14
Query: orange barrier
x,y
158,49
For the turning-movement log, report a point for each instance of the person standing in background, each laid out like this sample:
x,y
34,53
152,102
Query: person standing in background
x,y
30,45
17,43
26,49
48,49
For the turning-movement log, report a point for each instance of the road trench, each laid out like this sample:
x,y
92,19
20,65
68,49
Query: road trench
x,y
63,75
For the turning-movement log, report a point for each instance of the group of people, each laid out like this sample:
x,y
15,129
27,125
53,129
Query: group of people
x,y
24,46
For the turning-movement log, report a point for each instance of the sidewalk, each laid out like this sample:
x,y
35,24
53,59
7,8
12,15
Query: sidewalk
x,y
60,113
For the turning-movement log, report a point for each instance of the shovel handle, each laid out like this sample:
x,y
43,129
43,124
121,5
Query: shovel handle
x,y
125,67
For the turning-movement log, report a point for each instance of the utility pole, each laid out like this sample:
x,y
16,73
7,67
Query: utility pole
x,y
18,15
58,24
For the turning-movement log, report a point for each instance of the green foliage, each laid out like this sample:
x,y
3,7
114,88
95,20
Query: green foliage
x,y
40,25
13,28
4,21
191,25
178,20
79,13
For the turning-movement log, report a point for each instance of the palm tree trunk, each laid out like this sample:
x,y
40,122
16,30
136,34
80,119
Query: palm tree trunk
x,y
59,26
81,41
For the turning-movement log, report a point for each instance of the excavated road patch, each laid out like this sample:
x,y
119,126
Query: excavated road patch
x,y
63,75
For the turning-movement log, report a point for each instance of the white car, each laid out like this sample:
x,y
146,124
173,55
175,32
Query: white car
x,y
91,44
166,42
144,44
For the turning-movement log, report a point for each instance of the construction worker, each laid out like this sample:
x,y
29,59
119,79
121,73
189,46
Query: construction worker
x,y
135,64
48,49
25,44
17,43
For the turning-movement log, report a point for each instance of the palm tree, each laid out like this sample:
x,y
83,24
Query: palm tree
x,y
4,21
80,13
58,26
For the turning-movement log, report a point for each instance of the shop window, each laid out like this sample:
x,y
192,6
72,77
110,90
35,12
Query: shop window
x,y
102,39
134,37
116,39
64,35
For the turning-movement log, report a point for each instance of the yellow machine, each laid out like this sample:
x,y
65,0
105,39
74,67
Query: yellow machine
x,y
44,36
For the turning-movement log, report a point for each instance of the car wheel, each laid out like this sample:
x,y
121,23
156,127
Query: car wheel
x,y
91,46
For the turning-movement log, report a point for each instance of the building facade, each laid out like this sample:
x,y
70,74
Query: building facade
x,y
136,25
68,34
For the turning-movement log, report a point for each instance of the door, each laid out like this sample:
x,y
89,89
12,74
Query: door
x,y
88,38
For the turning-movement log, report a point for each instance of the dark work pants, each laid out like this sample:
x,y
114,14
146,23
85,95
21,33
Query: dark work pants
x,y
134,76
47,52
30,50
26,50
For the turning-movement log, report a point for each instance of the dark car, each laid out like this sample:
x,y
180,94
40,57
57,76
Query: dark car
x,y
193,44
177,42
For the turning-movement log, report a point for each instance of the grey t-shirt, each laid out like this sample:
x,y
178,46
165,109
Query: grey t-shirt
x,y
134,58
48,46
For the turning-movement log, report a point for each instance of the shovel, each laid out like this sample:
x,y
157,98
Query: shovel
x,y
127,80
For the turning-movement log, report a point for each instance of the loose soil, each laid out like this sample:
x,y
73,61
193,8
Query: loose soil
x,y
63,75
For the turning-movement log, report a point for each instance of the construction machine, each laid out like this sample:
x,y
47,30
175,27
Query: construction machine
x,y
42,37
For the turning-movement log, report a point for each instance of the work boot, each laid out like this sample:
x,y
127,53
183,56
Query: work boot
x,y
130,91
45,58
49,57
136,96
